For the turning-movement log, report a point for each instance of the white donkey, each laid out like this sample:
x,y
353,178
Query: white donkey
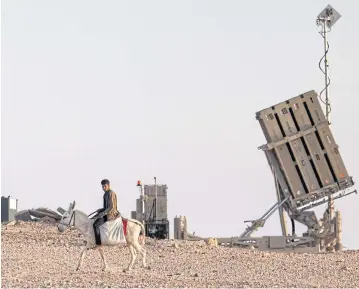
x,y
80,221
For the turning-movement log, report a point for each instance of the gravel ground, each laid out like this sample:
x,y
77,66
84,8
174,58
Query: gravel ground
x,y
36,255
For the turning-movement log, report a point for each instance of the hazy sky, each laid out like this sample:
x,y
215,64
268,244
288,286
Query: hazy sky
x,y
129,90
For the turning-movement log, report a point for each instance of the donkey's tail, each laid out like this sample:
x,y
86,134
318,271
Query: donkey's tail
x,y
143,231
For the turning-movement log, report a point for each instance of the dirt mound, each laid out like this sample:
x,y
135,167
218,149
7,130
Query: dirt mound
x,y
37,255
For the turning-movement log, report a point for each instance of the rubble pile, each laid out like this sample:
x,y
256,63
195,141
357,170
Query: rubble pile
x,y
35,254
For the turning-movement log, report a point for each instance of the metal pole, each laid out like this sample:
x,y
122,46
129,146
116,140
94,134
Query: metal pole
x,y
327,105
282,219
142,197
338,231
260,222
143,205
155,213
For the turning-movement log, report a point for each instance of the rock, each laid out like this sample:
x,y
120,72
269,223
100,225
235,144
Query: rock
x,y
212,242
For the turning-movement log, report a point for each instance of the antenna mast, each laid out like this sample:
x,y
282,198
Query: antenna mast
x,y
326,19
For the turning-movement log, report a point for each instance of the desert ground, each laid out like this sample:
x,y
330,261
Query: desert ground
x,y
35,254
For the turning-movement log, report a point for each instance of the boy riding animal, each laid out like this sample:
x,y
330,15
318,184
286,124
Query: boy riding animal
x,y
110,217
109,211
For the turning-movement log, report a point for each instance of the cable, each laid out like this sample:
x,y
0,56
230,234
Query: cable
x,y
326,87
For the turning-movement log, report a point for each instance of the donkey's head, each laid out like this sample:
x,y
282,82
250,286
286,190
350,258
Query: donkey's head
x,y
68,219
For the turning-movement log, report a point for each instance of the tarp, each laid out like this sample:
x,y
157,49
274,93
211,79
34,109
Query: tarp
x,y
112,232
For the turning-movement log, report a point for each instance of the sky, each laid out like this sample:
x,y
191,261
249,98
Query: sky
x,y
132,90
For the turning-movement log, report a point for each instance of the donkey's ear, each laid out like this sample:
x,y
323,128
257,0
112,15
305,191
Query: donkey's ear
x,y
73,205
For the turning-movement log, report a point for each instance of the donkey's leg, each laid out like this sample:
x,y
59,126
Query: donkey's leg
x,y
103,259
142,251
134,252
133,257
82,255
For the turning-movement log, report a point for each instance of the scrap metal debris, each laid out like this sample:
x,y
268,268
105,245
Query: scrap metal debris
x,y
40,214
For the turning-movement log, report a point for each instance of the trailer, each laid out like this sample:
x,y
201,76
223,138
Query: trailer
x,y
308,171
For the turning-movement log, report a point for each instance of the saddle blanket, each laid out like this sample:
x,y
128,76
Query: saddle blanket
x,y
113,232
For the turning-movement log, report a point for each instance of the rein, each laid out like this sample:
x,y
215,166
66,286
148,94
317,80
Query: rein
x,y
69,224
